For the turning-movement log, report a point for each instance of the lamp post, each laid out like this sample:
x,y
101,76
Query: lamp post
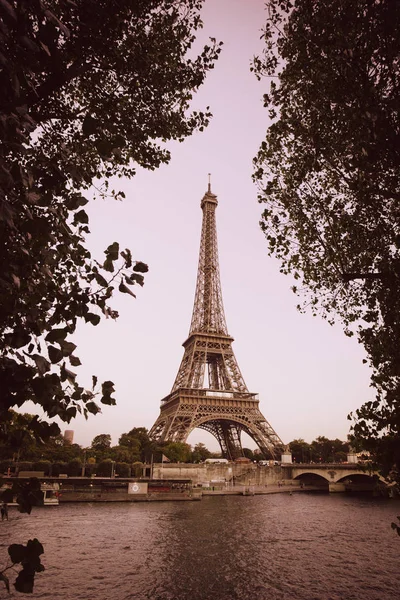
x,y
84,464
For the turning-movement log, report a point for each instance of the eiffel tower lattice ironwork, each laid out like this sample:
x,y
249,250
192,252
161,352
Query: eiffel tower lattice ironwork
x,y
209,391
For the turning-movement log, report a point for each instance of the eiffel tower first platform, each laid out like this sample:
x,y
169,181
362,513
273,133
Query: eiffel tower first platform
x,y
209,391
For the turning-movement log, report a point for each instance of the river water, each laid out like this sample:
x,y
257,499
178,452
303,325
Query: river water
x,y
274,547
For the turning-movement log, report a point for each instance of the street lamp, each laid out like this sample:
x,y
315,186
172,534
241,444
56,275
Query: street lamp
x,y
84,464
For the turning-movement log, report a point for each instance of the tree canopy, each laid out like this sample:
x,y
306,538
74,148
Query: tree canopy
x,y
328,173
321,449
101,441
90,89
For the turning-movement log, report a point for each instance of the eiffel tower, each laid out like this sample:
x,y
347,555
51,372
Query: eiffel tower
x,y
209,391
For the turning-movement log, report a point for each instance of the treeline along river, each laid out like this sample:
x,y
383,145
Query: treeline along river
x,y
271,547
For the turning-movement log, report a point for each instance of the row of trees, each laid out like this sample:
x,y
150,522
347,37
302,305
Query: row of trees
x,y
321,450
21,446
133,447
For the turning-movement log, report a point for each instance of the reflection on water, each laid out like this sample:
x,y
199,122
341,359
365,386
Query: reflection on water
x,y
224,548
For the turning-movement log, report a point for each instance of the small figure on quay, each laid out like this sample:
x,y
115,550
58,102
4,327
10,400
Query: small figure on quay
x,y
4,511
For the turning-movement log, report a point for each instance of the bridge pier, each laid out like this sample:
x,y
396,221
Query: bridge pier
x,y
337,488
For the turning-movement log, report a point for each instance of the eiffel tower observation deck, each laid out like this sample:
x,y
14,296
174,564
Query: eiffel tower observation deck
x,y
209,391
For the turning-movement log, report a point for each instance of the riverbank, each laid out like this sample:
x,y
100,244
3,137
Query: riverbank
x,y
261,490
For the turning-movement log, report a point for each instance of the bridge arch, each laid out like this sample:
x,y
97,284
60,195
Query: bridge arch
x,y
359,477
318,480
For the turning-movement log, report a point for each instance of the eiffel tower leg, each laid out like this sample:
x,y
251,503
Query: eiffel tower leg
x,y
232,437
173,426
228,436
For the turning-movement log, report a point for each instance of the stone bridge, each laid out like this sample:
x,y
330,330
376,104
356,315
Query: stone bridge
x,y
335,477
340,477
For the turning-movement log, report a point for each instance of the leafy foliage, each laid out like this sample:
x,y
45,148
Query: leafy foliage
x,y
177,452
28,494
321,450
21,432
138,445
328,173
200,453
29,558
101,441
90,89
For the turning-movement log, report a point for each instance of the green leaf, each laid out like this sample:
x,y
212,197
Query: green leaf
x,y
55,354
125,290
93,408
81,217
107,386
127,256
69,375
75,201
135,278
112,251
101,280
67,347
92,318
56,335
42,363
35,548
17,552
140,267
108,265
107,389
25,581
18,339
89,125
107,399
75,361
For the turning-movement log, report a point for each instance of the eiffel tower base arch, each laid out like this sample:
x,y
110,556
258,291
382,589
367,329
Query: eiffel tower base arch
x,y
224,418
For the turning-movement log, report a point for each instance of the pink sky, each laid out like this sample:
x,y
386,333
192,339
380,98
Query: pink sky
x,y
309,376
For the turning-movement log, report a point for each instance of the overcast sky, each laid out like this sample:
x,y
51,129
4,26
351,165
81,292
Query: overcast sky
x,y
309,375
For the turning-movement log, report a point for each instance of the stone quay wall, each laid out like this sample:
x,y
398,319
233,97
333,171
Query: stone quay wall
x,y
248,474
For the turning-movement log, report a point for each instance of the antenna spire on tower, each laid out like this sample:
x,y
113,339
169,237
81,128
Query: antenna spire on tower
x,y
209,183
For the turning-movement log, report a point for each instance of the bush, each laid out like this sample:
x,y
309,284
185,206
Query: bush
x,y
90,469
104,468
59,467
42,465
74,468
123,469
137,469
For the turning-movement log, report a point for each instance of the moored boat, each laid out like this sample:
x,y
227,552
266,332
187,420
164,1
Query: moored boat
x,y
51,492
